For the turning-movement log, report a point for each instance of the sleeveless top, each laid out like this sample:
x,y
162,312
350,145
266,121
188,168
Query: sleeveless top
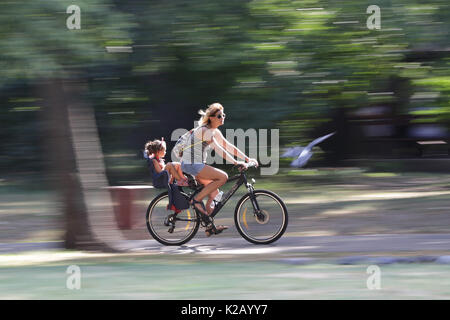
x,y
196,152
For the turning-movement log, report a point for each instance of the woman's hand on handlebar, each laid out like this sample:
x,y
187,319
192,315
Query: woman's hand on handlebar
x,y
241,165
253,161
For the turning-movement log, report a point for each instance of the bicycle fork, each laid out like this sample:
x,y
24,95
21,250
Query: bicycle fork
x,y
256,209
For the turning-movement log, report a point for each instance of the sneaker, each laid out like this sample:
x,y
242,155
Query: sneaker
x,y
183,183
209,231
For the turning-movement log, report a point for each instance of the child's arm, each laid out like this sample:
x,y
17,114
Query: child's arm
x,y
157,165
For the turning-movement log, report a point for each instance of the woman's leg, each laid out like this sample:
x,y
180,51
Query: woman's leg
x,y
211,196
217,177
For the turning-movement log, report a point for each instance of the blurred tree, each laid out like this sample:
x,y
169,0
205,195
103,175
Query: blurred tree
x,y
39,48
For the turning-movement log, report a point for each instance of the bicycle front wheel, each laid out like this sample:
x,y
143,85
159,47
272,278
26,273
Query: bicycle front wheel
x,y
167,227
266,225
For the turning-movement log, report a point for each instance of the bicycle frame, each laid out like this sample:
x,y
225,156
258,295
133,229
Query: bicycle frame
x,y
241,179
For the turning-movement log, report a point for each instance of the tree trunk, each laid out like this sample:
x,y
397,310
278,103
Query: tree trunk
x,y
66,135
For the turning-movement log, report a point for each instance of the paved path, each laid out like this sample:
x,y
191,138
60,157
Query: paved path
x,y
386,243
397,244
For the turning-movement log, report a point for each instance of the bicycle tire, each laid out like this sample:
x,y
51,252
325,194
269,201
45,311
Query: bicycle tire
x,y
282,228
157,236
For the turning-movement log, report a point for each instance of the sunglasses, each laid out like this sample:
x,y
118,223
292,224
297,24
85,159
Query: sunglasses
x,y
220,116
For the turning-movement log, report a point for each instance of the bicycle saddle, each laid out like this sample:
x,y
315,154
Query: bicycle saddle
x,y
193,183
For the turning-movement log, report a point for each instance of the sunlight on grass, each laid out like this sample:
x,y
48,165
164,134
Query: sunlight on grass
x,y
396,195
41,257
356,209
312,172
380,174
331,197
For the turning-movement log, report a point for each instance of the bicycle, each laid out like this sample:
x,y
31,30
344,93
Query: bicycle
x,y
260,216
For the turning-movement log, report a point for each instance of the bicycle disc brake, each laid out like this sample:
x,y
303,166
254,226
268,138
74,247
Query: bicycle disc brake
x,y
262,217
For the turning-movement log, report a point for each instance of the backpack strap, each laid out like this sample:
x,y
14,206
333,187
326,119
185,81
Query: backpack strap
x,y
191,138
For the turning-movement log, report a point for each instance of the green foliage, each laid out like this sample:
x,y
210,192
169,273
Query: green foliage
x,y
273,64
36,43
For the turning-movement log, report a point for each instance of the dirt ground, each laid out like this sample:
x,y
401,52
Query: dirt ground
x,y
320,202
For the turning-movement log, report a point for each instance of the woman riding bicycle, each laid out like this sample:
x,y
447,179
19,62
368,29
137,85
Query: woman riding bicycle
x,y
207,135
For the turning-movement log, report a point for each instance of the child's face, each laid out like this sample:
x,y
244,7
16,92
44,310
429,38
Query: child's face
x,y
161,153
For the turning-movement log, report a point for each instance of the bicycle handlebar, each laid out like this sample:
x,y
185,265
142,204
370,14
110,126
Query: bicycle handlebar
x,y
249,165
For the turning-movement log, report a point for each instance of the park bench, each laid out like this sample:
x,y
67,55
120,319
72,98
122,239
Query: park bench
x,y
126,207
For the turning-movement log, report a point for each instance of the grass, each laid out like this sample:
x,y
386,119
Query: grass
x,y
182,278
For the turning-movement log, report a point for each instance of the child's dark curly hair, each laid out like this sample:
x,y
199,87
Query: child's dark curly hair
x,y
152,147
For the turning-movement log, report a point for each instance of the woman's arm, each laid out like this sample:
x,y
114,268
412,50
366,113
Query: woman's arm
x,y
231,148
210,136
222,152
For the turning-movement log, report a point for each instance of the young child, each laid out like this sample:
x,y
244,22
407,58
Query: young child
x,y
156,150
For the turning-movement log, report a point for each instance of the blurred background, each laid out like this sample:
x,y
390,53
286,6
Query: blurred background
x,y
77,106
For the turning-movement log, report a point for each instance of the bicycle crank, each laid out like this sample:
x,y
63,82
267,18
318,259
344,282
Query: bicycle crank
x,y
170,221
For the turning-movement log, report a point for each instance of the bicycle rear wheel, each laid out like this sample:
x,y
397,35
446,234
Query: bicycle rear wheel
x,y
265,226
167,227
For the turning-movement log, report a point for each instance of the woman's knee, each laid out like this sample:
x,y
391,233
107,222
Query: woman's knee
x,y
223,177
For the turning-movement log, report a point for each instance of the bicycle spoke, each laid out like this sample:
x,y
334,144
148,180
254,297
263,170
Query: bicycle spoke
x,y
181,228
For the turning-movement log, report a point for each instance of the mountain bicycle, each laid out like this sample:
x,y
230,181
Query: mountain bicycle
x,y
260,216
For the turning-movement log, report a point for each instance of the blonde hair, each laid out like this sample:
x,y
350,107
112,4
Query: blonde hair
x,y
152,147
209,112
